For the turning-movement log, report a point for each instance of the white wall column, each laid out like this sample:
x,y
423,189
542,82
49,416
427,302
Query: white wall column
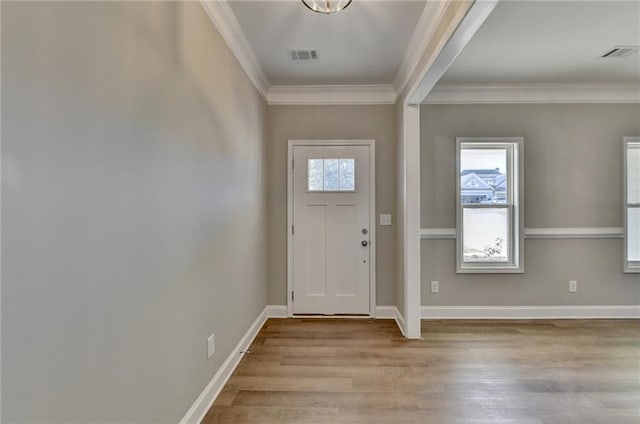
x,y
411,149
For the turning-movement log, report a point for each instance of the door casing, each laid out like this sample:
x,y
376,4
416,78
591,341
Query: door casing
x,y
372,214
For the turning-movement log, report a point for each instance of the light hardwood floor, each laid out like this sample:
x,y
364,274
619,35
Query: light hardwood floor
x,y
497,372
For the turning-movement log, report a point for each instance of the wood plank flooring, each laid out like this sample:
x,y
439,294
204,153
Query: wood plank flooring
x,y
494,372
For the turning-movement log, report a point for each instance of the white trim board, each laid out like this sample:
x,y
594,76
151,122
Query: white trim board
x,y
386,312
364,94
381,312
533,93
229,28
201,406
199,409
438,233
391,312
459,32
401,323
427,24
575,232
532,312
538,233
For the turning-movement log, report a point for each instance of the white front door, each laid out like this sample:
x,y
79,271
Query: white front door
x,y
331,229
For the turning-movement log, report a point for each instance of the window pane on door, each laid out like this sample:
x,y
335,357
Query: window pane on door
x,y
316,174
331,173
633,234
485,234
633,173
483,176
347,174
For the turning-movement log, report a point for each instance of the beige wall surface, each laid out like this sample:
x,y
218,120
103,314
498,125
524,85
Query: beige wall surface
x,y
133,220
331,123
573,178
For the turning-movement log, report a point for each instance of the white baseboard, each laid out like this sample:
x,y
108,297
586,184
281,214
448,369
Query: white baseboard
x,y
391,312
400,321
386,312
277,311
200,407
381,312
531,312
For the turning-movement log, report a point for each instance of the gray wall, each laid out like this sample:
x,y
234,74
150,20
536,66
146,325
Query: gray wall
x,y
573,178
328,123
133,221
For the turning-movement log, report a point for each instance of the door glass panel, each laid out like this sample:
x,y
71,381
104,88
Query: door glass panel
x,y
316,174
331,174
485,234
347,174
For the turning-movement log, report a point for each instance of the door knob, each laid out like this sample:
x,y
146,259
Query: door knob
x,y
364,243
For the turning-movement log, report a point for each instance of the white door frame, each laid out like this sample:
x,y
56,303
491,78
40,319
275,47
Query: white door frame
x,y
372,213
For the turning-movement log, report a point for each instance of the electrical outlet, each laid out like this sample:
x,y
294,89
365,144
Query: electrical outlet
x,y
435,287
211,346
573,286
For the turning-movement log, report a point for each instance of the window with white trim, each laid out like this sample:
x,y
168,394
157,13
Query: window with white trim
x,y
490,197
632,204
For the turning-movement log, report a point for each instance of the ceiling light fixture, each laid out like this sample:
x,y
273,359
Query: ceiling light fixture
x,y
327,7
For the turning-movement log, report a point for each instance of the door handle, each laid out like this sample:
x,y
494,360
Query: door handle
x,y
364,243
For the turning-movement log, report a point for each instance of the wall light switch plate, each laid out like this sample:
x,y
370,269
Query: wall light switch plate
x,y
573,286
385,219
211,346
435,287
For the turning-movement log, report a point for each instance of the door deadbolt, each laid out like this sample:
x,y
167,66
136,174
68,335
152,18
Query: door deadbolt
x,y
364,231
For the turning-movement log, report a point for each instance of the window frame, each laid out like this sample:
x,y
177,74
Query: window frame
x,y
629,266
338,190
514,203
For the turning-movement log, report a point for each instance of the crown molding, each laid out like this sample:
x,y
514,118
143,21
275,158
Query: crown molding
x,y
382,94
533,93
227,24
427,24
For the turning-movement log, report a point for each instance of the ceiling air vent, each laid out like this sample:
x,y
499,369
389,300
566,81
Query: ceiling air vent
x,y
619,52
303,55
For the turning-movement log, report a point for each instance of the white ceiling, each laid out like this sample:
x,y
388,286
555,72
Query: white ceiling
x,y
363,44
551,42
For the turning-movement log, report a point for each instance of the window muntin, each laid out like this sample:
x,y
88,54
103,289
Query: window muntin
x,y
331,175
489,198
632,204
